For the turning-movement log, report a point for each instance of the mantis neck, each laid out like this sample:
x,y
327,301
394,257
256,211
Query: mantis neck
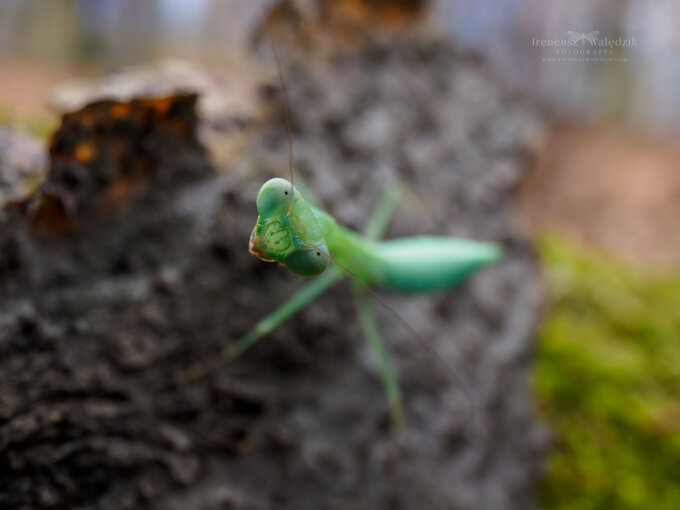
x,y
351,250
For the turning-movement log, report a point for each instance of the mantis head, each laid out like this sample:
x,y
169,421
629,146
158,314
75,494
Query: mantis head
x,y
287,231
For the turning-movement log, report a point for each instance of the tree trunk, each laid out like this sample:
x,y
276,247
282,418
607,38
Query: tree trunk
x,y
132,266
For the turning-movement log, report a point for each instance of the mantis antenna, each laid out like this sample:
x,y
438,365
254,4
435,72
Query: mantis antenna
x,y
286,114
445,364
449,369
302,269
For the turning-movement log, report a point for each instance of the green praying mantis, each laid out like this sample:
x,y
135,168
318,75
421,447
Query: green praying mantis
x,y
291,232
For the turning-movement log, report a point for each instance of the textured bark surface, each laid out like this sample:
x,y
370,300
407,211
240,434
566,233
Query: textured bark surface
x,y
139,268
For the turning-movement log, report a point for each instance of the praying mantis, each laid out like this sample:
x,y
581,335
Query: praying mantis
x,y
307,240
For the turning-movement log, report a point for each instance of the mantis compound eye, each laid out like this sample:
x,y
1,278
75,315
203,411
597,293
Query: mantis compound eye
x,y
308,261
274,197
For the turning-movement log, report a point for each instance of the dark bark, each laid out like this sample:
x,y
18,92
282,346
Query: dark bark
x,y
134,266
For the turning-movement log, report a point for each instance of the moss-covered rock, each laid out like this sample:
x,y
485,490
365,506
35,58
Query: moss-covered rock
x,y
607,379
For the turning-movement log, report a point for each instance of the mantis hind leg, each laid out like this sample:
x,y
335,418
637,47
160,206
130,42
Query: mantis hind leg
x,y
377,223
385,368
375,229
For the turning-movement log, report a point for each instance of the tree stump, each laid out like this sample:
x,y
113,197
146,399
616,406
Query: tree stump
x,y
130,265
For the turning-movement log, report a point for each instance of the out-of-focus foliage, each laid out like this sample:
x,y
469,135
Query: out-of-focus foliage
x,y
38,126
608,379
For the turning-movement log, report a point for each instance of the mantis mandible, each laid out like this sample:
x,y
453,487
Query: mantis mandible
x,y
311,243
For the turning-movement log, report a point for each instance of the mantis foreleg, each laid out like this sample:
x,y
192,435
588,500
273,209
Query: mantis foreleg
x,y
290,307
266,325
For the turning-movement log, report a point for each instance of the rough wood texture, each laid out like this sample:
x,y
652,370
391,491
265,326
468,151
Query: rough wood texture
x,y
97,320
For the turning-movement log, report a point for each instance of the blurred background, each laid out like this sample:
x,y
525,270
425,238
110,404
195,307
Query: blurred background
x,y
601,202
620,175
643,92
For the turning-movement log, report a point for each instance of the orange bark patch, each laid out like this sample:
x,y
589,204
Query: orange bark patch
x,y
105,154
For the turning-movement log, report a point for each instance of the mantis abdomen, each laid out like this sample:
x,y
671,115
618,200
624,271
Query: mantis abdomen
x,y
409,264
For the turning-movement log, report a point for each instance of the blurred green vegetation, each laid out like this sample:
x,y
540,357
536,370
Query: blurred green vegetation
x,y
608,382
37,125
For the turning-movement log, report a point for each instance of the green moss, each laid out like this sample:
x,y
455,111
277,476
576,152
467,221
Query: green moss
x,y
608,383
